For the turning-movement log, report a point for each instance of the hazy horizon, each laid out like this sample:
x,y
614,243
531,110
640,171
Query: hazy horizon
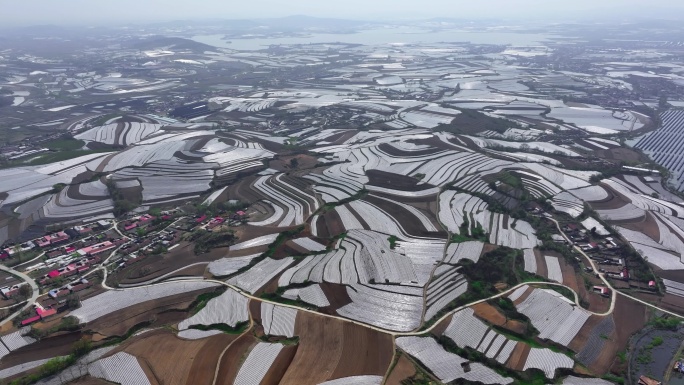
x,y
88,12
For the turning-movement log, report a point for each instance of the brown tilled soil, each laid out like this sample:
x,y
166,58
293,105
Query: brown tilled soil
x,y
630,317
341,137
541,264
359,216
283,163
204,363
337,296
646,225
280,365
395,181
580,339
402,370
331,349
88,380
493,316
333,223
154,266
407,220
255,310
524,296
519,356
58,345
619,153
168,358
233,358
439,329
160,312
242,190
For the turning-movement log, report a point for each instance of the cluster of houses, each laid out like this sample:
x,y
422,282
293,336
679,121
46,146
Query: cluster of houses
x,y
10,291
86,258
53,240
41,313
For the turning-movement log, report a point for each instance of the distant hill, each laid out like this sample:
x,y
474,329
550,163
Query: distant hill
x,y
176,43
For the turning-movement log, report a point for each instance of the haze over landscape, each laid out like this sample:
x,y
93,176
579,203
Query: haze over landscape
x,y
108,12
349,193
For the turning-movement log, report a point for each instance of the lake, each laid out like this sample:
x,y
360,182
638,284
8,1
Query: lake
x,y
380,37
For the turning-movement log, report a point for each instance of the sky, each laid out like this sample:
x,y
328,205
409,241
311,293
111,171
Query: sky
x,y
91,12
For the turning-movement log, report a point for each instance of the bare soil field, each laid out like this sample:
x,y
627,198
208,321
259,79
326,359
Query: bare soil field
x,y
163,311
395,181
523,296
646,225
331,349
402,370
541,264
341,137
154,266
331,223
493,316
57,345
280,365
620,154
519,356
88,380
439,329
389,149
233,357
337,296
242,190
630,317
283,163
406,219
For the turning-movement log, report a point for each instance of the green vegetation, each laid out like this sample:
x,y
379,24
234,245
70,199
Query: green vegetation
x,y
668,323
65,144
57,364
501,265
207,240
239,328
510,179
121,205
392,241
531,376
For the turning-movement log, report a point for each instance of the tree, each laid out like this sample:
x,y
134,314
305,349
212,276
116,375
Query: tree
x,y
294,163
24,291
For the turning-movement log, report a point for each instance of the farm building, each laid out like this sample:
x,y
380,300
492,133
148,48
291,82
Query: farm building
x,y
97,248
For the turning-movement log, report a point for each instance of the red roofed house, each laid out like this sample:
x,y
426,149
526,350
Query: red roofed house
x,y
59,237
53,274
31,320
131,226
97,248
201,219
625,274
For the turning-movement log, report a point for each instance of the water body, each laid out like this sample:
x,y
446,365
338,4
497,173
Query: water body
x,y
380,37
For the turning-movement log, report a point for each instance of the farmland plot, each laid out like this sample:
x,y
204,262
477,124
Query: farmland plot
x,y
548,361
356,380
567,203
376,305
257,363
114,300
443,289
465,250
260,274
120,368
447,366
229,265
553,269
556,317
278,320
229,308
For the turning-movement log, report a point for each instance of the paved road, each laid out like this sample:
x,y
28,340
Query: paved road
x,y
35,292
